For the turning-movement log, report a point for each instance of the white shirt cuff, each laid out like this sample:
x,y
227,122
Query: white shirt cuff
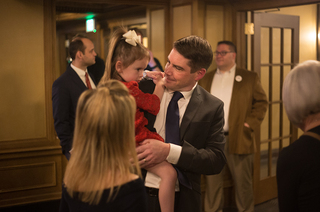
x,y
174,153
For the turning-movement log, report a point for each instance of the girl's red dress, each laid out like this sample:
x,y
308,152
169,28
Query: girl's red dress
x,y
147,102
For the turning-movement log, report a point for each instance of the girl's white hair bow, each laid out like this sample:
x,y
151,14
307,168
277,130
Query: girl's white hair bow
x,y
132,37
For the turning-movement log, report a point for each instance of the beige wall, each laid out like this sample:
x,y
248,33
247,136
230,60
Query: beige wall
x,y
22,83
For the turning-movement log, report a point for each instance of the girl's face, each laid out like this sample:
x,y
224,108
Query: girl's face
x,y
134,72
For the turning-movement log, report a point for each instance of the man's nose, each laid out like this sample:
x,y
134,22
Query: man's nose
x,y
167,69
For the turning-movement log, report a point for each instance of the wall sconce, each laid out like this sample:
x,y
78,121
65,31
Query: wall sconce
x,y
249,28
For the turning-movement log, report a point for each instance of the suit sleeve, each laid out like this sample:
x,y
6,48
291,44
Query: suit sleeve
x,y
62,106
259,104
202,149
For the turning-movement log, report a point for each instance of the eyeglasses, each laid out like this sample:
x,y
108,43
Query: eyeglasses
x,y
221,53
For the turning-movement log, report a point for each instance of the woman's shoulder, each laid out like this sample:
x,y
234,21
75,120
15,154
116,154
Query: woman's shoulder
x,y
135,181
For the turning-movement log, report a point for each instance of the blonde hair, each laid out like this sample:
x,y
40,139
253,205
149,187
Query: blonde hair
x,y
120,50
103,144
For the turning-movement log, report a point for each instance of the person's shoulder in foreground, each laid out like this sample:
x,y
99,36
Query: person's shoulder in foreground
x,y
131,197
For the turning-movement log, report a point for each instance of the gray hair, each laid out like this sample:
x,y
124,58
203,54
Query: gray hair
x,y
301,91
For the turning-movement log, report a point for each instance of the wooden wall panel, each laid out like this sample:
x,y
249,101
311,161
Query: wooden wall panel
x,y
35,175
214,27
31,162
22,90
27,179
182,21
157,35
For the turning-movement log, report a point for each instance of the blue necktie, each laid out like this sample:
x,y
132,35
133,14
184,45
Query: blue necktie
x,y
173,131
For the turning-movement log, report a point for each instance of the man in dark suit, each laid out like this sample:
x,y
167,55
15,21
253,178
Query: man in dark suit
x,y
200,147
245,105
68,87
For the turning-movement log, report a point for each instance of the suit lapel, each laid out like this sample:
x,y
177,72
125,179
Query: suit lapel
x,y
74,77
93,79
236,92
191,111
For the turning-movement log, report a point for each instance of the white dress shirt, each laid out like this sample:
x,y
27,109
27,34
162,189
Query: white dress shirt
x,y
82,75
153,180
221,87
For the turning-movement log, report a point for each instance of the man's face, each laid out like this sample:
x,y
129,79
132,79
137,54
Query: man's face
x,y
89,53
178,76
226,61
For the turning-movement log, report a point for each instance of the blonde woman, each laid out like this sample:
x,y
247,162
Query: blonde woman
x,y
103,172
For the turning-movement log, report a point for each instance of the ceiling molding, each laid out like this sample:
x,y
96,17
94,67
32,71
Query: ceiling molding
x,y
249,5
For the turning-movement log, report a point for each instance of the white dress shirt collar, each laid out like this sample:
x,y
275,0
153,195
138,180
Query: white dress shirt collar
x,y
82,74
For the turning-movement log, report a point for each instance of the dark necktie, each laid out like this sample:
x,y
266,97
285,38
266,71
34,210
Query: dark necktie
x,y
172,120
173,131
88,81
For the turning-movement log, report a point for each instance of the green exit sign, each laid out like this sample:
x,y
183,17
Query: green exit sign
x,y
90,25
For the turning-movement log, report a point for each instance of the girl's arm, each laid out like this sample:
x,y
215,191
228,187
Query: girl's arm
x,y
158,79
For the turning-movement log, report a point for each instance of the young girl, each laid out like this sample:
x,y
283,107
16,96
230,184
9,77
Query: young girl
x,y
126,61
100,175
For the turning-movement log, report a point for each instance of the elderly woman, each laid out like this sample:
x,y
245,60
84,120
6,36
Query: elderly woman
x,y
298,169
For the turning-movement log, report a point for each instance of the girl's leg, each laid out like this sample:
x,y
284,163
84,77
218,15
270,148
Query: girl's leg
x,y
168,177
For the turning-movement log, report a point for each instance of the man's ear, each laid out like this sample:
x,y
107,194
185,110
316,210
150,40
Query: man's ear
x,y
118,66
79,54
200,73
234,56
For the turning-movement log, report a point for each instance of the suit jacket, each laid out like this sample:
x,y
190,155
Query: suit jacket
x,y
202,141
248,104
66,91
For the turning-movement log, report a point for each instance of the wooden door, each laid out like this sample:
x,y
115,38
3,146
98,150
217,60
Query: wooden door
x,y
276,52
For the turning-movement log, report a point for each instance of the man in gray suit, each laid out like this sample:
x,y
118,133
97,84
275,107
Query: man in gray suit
x,y
199,150
245,105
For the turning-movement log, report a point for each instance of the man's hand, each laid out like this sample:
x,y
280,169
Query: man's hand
x,y
151,152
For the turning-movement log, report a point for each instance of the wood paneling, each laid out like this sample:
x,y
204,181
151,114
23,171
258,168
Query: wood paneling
x,y
247,5
157,35
182,14
31,165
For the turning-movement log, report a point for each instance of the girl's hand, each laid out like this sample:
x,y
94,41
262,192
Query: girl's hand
x,y
156,76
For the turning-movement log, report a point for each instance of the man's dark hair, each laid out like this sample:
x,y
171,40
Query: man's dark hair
x,y
76,45
233,47
197,50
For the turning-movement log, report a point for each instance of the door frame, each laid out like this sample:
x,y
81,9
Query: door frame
x,y
271,21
